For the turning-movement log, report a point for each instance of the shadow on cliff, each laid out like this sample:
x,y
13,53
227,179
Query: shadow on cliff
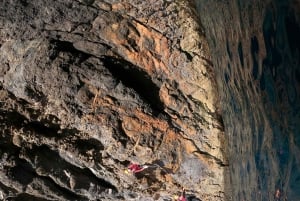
x,y
271,91
133,77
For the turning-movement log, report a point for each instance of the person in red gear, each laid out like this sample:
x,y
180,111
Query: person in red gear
x,y
182,196
135,168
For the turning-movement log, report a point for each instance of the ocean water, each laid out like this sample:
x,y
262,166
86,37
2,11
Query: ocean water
x,y
255,47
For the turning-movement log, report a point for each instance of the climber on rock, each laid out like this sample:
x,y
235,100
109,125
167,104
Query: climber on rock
x,y
136,168
182,196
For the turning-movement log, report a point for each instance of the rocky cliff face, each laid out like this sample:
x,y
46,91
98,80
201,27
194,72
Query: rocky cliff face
x,y
86,87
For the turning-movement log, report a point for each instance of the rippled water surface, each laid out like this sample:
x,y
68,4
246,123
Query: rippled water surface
x,y
255,47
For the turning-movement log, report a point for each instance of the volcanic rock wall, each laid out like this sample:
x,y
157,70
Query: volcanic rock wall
x,y
86,87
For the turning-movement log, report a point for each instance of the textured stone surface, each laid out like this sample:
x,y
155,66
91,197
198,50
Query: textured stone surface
x,y
88,86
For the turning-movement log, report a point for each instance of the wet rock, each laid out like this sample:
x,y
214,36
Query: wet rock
x,y
88,86
255,51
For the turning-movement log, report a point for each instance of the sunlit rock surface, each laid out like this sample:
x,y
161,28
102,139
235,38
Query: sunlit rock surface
x,y
88,86
255,51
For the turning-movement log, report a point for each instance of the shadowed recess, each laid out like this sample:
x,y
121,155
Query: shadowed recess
x,y
23,172
254,52
293,33
65,46
54,165
132,77
241,54
49,129
25,196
